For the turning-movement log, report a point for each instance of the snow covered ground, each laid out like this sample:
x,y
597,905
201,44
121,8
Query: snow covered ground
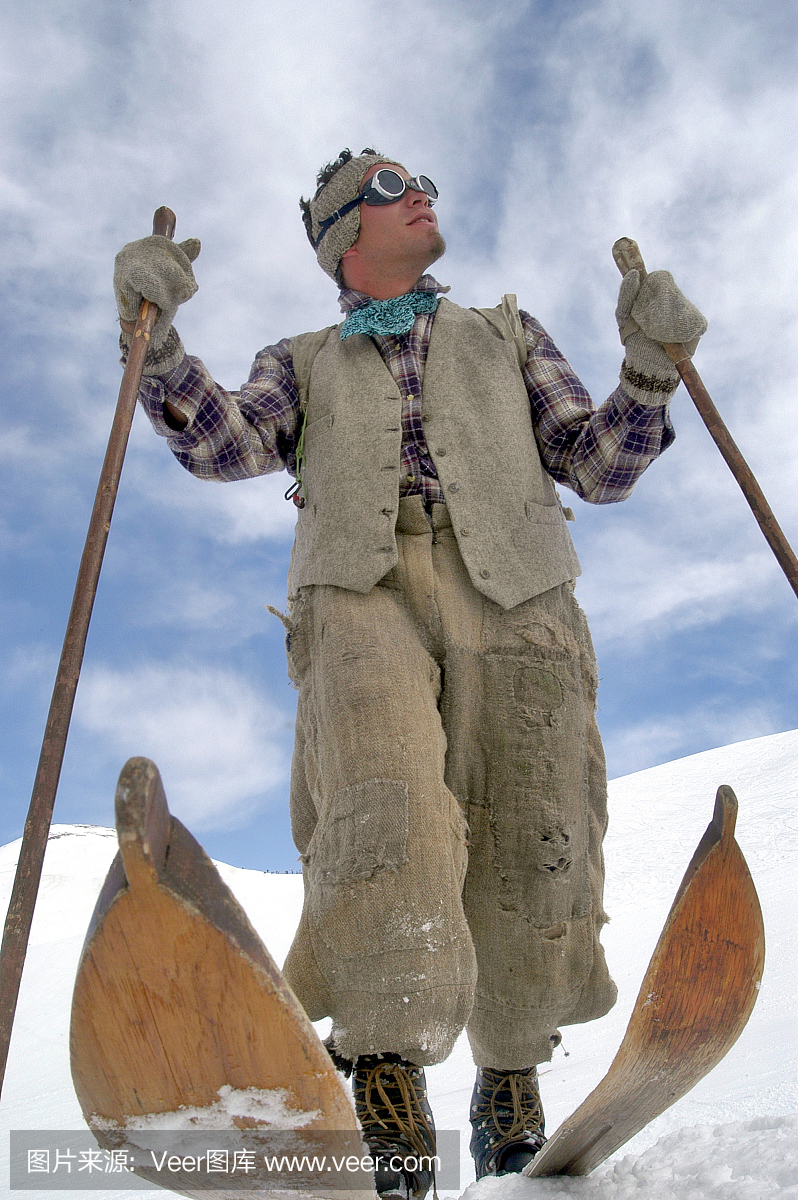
x,y
735,1136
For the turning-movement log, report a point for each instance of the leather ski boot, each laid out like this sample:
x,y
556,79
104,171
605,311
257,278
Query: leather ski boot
x,y
394,1113
507,1121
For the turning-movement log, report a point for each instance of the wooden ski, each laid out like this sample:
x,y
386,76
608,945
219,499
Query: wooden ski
x,y
178,1004
697,995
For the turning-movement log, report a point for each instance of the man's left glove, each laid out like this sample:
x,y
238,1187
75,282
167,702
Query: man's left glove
x,y
648,314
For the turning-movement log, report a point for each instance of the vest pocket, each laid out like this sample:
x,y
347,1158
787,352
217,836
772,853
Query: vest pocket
x,y
543,514
318,427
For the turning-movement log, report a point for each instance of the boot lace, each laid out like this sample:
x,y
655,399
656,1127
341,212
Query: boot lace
x,y
390,1103
507,1109
390,1099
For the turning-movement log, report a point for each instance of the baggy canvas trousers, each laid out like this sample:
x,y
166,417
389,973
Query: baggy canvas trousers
x,y
448,799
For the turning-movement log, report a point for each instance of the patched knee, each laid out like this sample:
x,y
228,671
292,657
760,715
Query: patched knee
x,y
364,833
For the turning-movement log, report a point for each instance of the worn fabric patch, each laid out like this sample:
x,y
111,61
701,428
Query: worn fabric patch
x,y
365,833
538,695
529,810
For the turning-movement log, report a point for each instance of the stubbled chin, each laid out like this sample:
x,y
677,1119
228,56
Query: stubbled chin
x,y
438,247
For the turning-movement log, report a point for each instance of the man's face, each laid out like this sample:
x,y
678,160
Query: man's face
x,y
400,236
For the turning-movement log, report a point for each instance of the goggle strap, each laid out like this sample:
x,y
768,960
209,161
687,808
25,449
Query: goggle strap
x,y
336,216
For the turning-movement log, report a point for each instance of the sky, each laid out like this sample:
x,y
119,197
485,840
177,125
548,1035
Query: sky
x,y
734,1136
550,129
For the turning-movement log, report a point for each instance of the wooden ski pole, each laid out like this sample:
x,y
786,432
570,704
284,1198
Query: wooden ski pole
x,y
627,257
37,826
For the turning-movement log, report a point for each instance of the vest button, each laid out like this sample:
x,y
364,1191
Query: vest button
x,y
465,533
453,487
485,573
441,451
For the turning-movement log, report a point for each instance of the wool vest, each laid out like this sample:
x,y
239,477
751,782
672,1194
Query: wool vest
x,y
506,515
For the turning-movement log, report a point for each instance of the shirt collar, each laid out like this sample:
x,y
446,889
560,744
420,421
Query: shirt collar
x,y
350,299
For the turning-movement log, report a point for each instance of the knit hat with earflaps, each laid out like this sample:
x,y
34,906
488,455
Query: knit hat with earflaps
x,y
341,187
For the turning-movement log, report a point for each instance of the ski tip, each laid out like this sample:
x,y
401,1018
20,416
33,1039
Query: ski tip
x,y
718,834
725,815
142,822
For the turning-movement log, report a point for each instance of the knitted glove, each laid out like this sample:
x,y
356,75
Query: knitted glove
x,y
648,314
158,362
156,269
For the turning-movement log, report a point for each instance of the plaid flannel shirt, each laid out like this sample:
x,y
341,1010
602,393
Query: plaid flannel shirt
x,y
598,453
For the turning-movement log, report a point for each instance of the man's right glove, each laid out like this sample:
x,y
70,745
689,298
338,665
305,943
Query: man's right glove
x,y
159,270
648,314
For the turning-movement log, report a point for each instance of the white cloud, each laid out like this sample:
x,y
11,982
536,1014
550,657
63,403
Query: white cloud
x,y
638,583
649,742
30,667
237,513
220,746
550,130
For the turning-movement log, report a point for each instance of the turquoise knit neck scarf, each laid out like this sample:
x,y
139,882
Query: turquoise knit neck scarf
x,y
394,316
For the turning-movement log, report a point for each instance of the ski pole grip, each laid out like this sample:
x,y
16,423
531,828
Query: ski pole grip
x,y
626,253
164,221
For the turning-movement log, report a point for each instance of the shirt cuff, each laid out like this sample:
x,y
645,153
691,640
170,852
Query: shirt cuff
x,y
155,389
650,419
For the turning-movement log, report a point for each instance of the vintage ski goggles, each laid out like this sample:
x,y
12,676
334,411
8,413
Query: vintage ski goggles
x,y
386,186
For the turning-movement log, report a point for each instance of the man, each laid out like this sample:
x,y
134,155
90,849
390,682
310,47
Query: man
x,y
448,791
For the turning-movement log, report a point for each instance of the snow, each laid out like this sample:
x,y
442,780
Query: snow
x,y
268,1105
734,1137
738,1161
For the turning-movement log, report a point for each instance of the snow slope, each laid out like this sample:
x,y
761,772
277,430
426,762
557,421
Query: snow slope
x,y
734,1137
